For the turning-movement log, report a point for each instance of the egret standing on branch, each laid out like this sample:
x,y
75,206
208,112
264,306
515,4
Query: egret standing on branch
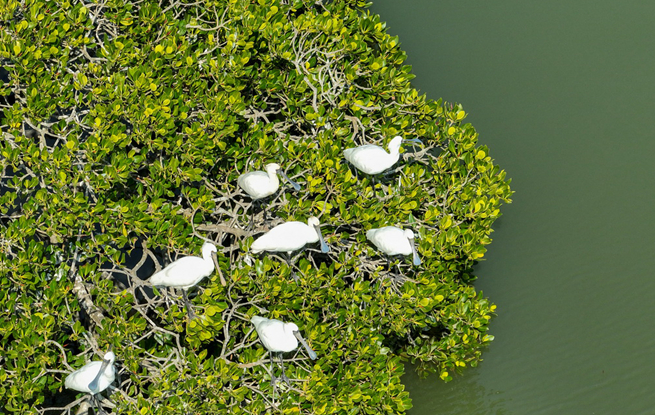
x,y
372,159
188,271
394,241
279,337
290,236
259,184
94,377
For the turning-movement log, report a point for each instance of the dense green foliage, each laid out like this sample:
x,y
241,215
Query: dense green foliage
x,y
125,127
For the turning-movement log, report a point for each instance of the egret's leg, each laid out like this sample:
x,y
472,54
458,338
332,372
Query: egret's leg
x,y
255,206
253,213
273,378
394,275
251,223
265,212
187,303
293,273
399,277
284,375
96,404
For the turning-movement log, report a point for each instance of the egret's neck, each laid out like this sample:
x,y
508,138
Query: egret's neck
x,y
272,177
288,330
394,150
207,254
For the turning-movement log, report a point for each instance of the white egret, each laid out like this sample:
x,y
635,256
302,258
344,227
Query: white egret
x,y
260,184
373,159
94,377
188,271
394,241
279,337
290,236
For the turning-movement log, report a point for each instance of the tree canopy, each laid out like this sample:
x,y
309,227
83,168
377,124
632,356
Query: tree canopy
x,y
125,126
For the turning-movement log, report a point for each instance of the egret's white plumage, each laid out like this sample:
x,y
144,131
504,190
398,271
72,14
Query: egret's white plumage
x,y
373,159
259,184
279,337
187,271
394,241
290,236
94,377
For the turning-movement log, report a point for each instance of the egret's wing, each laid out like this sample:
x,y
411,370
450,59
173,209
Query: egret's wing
x,y
176,274
267,331
379,234
253,180
80,379
367,150
370,234
265,325
257,320
389,239
281,238
369,158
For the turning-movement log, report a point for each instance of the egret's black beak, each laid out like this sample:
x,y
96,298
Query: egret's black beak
x,y
324,247
415,259
412,140
93,386
312,353
295,185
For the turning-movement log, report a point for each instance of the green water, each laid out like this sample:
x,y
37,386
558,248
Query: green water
x,y
563,93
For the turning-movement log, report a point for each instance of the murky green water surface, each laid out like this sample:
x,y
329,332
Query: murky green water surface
x,y
563,93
